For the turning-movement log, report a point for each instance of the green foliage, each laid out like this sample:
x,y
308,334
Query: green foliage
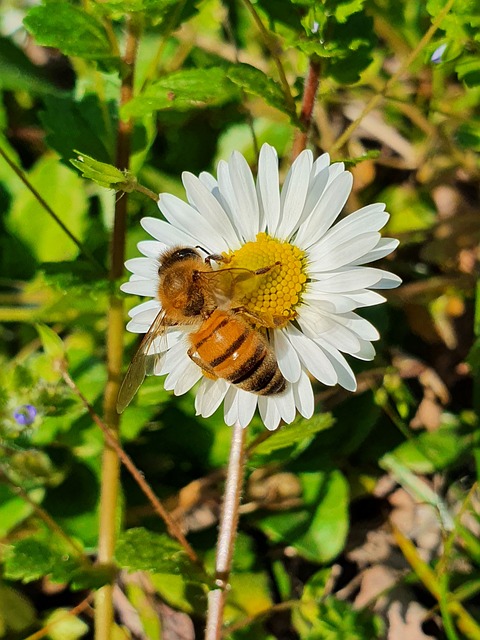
x,y
254,81
142,550
70,29
182,91
318,529
207,80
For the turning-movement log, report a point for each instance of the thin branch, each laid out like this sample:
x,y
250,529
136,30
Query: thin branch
x,y
21,174
81,606
47,518
377,98
110,472
309,94
272,46
137,475
227,533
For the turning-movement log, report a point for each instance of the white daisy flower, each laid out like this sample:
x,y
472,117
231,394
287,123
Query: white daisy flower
x,y
319,282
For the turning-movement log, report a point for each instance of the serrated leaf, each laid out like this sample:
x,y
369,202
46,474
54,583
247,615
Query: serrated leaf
x,y
142,550
182,91
254,81
20,74
333,619
86,124
69,29
64,626
299,431
31,559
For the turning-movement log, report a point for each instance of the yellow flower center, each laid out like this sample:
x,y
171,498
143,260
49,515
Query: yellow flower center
x,y
275,292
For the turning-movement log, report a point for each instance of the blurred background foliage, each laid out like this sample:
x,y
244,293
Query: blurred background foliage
x,y
361,523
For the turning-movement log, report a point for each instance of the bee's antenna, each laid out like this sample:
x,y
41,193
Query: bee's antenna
x,y
201,249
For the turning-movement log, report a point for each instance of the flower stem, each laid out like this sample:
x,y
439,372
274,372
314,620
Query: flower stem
x,y
227,533
309,94
110,473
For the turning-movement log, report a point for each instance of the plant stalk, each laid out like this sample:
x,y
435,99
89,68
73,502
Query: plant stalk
x,y
227,533
110,474
309,94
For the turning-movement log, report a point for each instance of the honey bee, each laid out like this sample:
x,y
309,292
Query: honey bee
x,y
227,341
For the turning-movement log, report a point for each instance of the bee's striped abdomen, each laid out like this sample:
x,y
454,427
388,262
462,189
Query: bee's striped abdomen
x,y
227,347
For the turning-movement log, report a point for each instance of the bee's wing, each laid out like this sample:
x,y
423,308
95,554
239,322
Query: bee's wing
x,y
143,363
232,283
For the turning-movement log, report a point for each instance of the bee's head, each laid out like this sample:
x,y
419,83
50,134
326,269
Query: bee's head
x,y
170,258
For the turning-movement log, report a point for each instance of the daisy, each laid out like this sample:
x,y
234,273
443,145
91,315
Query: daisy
x,y
320,281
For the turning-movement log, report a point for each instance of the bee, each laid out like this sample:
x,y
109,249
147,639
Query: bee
x,y
227,341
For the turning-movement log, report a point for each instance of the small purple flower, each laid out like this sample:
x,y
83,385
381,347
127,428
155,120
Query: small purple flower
x,y
438,53
25,414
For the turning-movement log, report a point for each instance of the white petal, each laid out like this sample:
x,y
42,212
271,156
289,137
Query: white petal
x,y
140,287
326,325
208,180
312,356
175,356
326,211
268,187
321,163
145,267
142,322
294,194
167,233
139,308
333,253
269,412
346,377
206,203
151,248
316,189
285,404
210,396
184,217
335,170
388,280
183,377
286,356
238,188
304,398
346,280
363,328
239,405
366,351
384,247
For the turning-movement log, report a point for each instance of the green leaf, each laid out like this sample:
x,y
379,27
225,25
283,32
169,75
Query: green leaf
x,y
86,124
16,612
254,81
298,432
13,509
332,619
64,191
31,559
51,342
68,28
64,626
142,550
468,134
106,175
20,74
317,530
468,70
182,91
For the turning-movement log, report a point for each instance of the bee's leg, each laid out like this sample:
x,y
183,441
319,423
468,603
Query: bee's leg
x,y
263,270
252,318
206,369
217,257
